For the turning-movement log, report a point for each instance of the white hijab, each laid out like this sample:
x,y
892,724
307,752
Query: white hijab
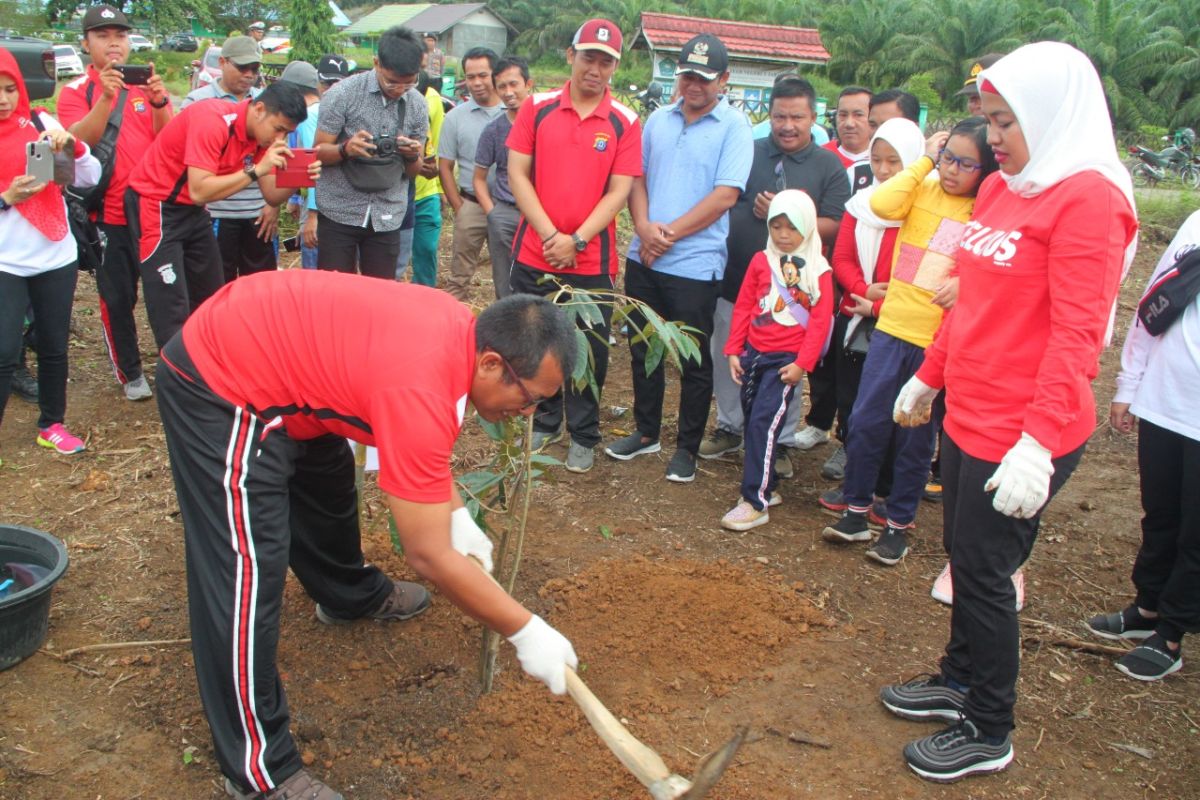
x,y
1056,96
904,135
798,207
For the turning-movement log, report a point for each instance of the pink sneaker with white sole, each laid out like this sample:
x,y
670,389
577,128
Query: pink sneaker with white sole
x,y
943,587
61,440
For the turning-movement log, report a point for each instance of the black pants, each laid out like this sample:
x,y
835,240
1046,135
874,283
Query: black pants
x,y
683,300
1167,570
51,294
242,251
986,548
582,407
178,259
117,284
340,247
823,388
254,502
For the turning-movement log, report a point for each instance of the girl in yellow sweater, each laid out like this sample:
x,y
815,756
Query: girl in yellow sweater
x,y
935,206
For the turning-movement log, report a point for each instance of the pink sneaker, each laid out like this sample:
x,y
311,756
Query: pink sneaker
x,y
743,517
60,440
943,587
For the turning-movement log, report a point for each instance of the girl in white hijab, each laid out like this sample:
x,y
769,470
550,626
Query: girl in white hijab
x,y
780,329
1040,263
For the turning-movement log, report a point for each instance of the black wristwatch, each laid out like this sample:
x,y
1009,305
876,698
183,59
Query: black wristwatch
x,y
251,174
4,206
580,242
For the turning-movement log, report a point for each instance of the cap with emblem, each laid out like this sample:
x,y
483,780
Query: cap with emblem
x,y
332,68
257,26
104,17
980,64
598,34
301,73
704,55
241,50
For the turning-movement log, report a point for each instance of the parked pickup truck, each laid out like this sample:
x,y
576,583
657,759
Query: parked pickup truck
x,y
35,57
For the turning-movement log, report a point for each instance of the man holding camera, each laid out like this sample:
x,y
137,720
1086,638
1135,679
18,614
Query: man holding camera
x,y
86,107
245,225
370,136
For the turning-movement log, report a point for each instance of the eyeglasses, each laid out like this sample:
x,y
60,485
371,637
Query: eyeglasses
x,y
946,158
530,400
393,87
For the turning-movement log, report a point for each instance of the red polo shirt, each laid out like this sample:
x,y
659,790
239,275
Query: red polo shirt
x,y
572,161
210,134
383,363
135,138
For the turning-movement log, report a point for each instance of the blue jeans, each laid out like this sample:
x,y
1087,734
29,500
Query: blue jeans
x,y
890,363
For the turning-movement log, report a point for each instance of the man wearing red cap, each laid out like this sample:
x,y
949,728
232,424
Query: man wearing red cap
x,y
572,156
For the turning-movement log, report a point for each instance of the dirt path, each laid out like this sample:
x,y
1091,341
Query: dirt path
x,y
685,631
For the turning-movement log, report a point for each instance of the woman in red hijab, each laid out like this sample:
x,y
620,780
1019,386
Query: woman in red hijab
x,y
37,254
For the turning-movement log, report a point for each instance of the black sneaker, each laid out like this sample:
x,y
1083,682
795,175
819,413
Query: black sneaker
x,y
682,468
1152,660
890,547
1127,625
852,527
631,447
924,697
24,385
957,752
300,786
405,602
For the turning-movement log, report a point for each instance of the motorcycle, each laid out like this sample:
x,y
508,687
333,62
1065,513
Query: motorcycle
x,y
1177,160
649,98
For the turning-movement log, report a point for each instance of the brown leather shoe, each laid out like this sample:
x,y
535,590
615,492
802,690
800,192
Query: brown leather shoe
x,y
301,786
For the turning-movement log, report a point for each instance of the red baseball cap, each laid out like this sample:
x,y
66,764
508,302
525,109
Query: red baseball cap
x,y
598,34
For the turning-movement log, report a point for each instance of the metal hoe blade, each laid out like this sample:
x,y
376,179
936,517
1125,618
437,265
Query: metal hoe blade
x,y
713,766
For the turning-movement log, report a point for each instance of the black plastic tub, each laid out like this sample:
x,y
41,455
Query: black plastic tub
x,y
25,614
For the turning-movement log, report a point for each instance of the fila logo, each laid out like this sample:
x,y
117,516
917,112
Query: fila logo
x,y
985,241
1155,307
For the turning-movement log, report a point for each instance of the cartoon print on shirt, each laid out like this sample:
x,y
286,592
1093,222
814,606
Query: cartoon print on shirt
x,y
791,267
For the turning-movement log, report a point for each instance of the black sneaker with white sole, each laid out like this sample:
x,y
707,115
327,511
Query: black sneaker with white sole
x,y
852,527
890,547
1152,660
1126,625
631,447
682,467
924,697
958,751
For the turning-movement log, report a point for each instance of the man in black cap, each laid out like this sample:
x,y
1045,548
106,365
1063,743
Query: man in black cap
x,y
969,90
697,154
87,106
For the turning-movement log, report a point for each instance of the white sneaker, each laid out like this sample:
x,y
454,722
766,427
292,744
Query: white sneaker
x,y
138,389
810,437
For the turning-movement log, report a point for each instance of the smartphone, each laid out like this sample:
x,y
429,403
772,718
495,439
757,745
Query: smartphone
x,y
134,74
39,160
295,174
291,244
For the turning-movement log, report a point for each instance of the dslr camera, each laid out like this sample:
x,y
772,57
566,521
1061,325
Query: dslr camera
x,y
385,145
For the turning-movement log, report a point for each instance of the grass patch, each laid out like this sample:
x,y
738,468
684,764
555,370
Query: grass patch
x,y
1161,212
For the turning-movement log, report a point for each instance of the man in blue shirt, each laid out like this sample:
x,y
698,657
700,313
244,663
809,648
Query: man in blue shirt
x,y
696,155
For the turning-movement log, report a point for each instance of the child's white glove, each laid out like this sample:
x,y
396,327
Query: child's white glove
x,y
544,653
467,538
1022,481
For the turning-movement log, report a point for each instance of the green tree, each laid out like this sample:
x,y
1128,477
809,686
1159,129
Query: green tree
x,y
1178,88
312,30
857,35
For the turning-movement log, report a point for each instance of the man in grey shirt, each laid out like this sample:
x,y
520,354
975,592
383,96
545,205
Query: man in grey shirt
x,y
244,224
457,144
370,136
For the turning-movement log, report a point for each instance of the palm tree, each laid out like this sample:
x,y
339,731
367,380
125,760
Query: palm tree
x,y
1178,87
857,35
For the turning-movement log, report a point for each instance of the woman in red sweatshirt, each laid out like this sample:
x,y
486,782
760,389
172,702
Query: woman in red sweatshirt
x,y
1040,263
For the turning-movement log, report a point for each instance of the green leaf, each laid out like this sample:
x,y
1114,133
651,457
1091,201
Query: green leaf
x,y
494,430
583,359
606,531
654,354
394,533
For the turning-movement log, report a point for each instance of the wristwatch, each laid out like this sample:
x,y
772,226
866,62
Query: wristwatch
x,y
251,174
580,242
4,206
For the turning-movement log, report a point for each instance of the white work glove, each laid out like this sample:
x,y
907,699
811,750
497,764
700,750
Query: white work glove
x,y
467,538
914,404
544,653
1022,481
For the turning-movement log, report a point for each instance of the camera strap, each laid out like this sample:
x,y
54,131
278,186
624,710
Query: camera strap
x,y
105,152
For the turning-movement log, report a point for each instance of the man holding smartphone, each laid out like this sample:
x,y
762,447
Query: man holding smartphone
x,y
85,107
